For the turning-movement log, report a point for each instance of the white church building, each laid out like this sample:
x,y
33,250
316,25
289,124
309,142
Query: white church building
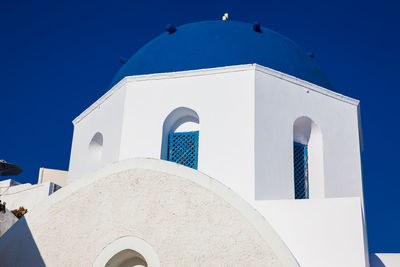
x,y
219,143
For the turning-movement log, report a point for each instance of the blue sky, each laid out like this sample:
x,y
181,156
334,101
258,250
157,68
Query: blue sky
x,y
58,57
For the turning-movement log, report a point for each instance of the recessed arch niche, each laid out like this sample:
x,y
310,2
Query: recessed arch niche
x,y
307,132
96,146
181,119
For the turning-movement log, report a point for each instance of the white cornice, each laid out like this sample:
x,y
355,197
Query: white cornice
x,y
160,76
211,71
305,84
99,101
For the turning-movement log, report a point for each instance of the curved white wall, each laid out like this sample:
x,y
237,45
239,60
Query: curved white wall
x,y
184,216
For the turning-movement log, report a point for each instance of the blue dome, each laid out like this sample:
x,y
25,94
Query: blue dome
x,y
210,44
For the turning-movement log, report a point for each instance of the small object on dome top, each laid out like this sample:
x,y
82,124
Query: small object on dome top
x,y
171,28
257,27
310,54
208,41
225,16
123,60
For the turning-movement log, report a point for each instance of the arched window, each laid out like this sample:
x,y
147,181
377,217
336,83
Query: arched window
x,y
183,148
307,159
180,138
96,146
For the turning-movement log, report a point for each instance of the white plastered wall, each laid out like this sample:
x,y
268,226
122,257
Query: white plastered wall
x,y
188,218
246,115
105,118
26,195
132,113
319,232
279,101
222,99
58,177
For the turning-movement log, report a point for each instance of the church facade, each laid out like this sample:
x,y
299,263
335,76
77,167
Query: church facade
x,y
218,143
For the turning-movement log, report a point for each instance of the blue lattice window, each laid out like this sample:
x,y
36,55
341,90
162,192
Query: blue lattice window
x,y
300,170
183,148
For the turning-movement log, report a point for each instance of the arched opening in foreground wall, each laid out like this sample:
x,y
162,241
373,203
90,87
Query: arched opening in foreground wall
x,y
180,137
128,251
308,159
162,199
127,258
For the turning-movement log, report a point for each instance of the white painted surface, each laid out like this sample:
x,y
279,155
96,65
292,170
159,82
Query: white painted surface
x,y
279,103
319,232
245,116
223,104
105,119
26,195
58,177
6,184
385,260
222,98
187,217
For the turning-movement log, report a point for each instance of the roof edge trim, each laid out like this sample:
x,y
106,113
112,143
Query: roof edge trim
x,y
308,85
210,71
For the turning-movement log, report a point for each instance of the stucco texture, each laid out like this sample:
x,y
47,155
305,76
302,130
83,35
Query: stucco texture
x,y
185,223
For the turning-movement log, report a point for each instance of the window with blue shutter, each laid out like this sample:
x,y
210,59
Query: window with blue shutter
x,y
183,148
300,171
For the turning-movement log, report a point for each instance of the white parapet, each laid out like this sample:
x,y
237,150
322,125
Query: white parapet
x,y
320,232
26,195
58,177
